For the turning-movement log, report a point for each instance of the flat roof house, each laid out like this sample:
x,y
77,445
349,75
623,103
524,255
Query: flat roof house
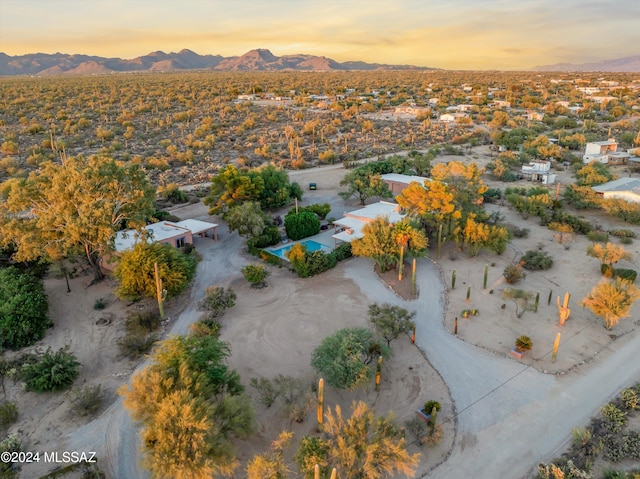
x,y
604,152
350,226
627,189
397,182
174,234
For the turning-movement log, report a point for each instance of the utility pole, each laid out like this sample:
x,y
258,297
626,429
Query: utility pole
x,y
161,293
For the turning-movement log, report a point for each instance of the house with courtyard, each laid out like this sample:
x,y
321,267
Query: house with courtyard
x,y
349,227
627,189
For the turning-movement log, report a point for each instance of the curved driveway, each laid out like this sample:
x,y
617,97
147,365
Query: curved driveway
x,y
509,416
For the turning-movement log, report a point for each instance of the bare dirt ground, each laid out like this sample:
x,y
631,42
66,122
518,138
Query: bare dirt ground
x,y
273,331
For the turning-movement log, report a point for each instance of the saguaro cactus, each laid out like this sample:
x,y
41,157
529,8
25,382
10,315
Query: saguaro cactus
x,y
563,309
378,372
413,277
453,279
320,402
439,240
550,296
537,301
468,294
556,345
486,275
432,419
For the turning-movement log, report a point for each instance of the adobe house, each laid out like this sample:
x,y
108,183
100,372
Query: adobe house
x,y
350,226
175,234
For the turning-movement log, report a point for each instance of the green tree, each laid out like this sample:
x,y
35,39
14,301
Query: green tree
x,y
277,190
391,321
595,173
364,446
247,219
301,225
612,300
135,270
23,309
231,187
75,206
344,359
378,243
190,405
363,184
464,181
256,274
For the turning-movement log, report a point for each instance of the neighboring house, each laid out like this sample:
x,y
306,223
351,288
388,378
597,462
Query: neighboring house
x,y
397,182
534,115
452,117
411,110
538,170
166,232
604,152
627,189
501,104
350,226
246,97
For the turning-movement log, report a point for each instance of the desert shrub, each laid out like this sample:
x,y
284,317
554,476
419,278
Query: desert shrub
x,y
206,327
342,252
8,413
99,304
86,401
425,435
135,344
598,236
142,322
217,299
320,209
23,309
606,270
629,398
626,240
613,418
267,390
513,273
628,274
578,225
519,232
269,237
492,194
256,274
52,371
536,260
623,233
11,443
301,225
173,194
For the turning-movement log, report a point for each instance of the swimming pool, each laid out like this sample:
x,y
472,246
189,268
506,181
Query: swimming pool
x,y
310,244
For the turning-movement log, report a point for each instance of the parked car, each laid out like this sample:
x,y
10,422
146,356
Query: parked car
x,y
313,186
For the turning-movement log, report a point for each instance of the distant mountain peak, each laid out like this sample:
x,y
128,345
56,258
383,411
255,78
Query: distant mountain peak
x,y
259,59
626,64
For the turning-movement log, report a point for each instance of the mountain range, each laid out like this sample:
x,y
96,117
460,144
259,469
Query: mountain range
x,y
43,64
626,64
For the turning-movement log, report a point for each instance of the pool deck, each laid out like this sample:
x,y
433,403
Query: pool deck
x,y
324,238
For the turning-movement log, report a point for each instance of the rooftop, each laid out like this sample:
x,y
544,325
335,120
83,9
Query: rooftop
x,y
621,184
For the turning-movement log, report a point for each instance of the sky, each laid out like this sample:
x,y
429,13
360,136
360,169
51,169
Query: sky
x,y
449,34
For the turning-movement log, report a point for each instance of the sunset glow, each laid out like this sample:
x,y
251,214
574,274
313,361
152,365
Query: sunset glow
x,y
461,34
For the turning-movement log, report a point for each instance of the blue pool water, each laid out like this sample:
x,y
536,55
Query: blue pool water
x,y
310,244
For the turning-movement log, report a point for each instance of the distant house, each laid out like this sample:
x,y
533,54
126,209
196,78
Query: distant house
x,y
246,97
604,152
166,232
538,170
350,226
452,117
627,189
533,115
397,182
501,104
411,110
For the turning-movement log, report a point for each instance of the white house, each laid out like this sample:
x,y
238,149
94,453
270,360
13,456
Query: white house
x,y
538,170
627,189
350,226
604,152
452,117
501,104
